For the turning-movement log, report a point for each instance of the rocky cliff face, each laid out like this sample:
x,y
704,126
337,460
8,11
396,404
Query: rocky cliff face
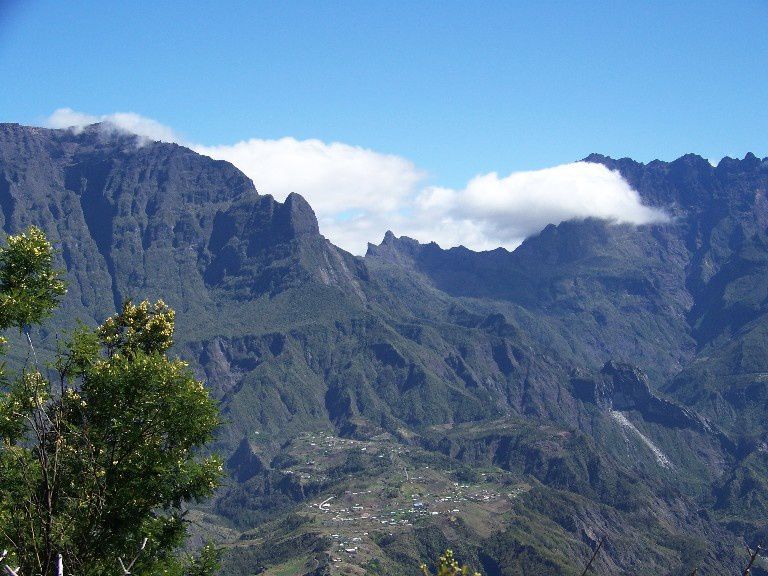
x,y
622,387
145,219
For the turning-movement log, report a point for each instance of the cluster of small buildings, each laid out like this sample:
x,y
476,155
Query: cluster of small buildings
x,y
351,514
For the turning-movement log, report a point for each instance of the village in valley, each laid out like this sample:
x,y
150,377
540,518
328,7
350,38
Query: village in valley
x,y
403,488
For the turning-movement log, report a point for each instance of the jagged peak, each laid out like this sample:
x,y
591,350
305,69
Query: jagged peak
x,y
691,158
390,238
749,161
395,249
300,216
598,158
610,162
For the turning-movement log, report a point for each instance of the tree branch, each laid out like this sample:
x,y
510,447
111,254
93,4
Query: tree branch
x,y
752,557
127,569
594,555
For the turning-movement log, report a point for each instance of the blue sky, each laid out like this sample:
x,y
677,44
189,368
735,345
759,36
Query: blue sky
x,y
457,88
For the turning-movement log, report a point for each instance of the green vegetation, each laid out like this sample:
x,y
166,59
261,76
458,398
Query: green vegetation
x,y
29,286
98,451
448,566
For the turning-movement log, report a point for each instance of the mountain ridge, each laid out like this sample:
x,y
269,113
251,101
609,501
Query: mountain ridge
x,y
514,362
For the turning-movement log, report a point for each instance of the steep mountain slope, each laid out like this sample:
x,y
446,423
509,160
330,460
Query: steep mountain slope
x,y
530,366
684,301
655,296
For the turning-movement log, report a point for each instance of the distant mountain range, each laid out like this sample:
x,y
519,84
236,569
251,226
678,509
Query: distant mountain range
x,y
600,379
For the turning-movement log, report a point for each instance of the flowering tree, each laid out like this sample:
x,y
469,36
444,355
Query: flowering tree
x,y
98,453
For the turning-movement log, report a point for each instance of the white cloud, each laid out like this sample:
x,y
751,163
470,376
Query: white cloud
x,y
146,128
335,178
359,194
496,211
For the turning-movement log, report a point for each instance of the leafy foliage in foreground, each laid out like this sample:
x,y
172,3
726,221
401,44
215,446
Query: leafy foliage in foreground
x,y
449,566
29,286
100,458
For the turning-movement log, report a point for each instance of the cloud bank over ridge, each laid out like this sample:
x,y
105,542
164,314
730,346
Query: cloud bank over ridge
x,y
146,128
359,194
